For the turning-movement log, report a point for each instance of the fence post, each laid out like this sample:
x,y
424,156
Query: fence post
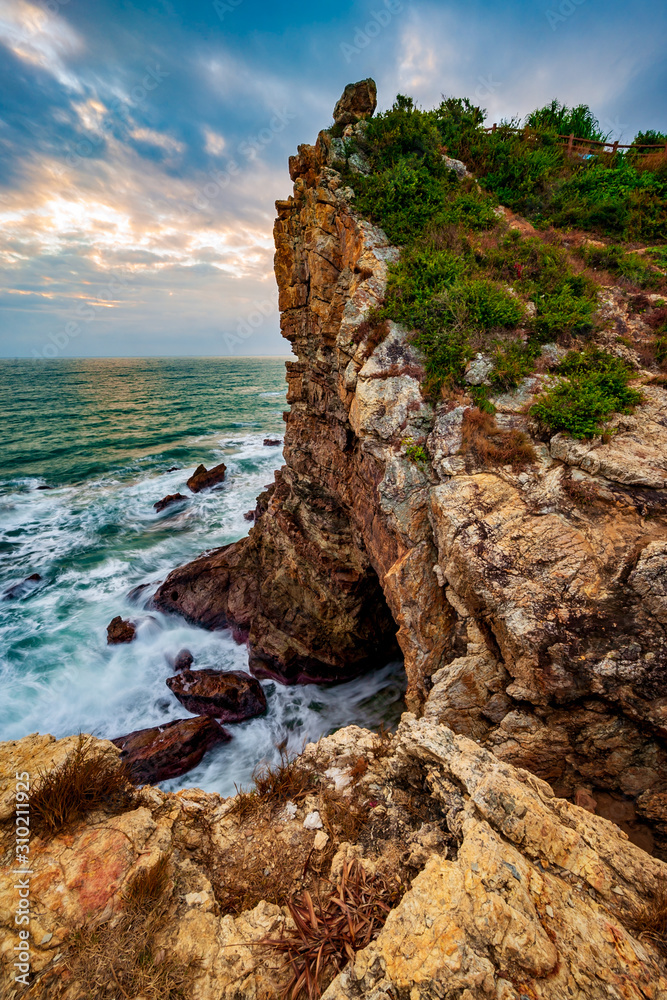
x,y
570,142
615,149
494,127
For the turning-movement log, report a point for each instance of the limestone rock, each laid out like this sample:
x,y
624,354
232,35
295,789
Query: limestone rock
x,y
515,891
358,100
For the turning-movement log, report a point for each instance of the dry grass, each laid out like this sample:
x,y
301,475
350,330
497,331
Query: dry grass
x,y
120,959
91,777
284,782
651,920
486,444
582,494
328,931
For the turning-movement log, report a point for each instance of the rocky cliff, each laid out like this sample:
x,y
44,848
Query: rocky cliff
x,y
530,604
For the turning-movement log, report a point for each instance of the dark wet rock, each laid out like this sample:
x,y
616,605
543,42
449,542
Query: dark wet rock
x,y
229,696
183,660
272,442
119,630
249,515
358,100
44,487
203,478
174,468
167,751
168,500
22,589
137,593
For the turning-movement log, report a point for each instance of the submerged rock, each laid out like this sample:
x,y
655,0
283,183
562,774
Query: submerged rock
x,y
230,696
168,500
183,660
120,630
203,478
22,589
169,750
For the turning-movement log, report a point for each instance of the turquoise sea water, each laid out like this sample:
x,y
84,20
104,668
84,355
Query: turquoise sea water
x,y
104,435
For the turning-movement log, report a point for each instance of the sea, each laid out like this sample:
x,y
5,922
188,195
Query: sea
x,y
87,446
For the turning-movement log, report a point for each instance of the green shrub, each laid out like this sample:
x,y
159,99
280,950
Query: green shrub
x,y
593,385
415,452
558,118
564,311
511,363
628,265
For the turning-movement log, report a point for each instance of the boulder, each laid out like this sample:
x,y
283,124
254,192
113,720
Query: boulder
x,y
249,515
229,696
183,660
119,630
168,500
358,100
272,442
22,589
167,751
203,478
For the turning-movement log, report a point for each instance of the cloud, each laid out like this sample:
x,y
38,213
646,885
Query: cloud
x,y
145,145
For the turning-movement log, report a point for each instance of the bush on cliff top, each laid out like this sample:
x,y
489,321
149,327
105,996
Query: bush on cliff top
x,y
592,386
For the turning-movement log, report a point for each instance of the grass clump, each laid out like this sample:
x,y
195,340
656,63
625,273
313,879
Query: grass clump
x,y
619,262
486,444
91,777
274,785
592,386
330,929
121,959
416,452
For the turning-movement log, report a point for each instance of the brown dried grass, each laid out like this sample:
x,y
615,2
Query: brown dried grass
x,y
486,444
119,959
650,920
328,931
274,785
89,778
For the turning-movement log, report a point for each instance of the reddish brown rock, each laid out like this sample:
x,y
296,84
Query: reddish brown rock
x,y
359,100
183,660
530,606
229,696
249,515
203,478
119,630
167,751
168,500
272,442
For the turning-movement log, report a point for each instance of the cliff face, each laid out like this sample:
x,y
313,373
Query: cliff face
x,y
530,606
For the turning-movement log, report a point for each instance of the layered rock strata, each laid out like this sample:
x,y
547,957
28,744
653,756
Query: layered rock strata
x,y
529,606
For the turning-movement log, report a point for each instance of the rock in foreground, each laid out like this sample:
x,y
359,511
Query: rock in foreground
x,y
120,630
167,751
510,892
203,478
229,696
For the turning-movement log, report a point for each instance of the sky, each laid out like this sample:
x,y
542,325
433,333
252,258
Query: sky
x,y
143,144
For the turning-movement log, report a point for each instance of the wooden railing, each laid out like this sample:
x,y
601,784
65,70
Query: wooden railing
x,y
570,140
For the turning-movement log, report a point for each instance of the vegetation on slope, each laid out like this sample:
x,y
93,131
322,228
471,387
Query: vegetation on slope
x,y
466,282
